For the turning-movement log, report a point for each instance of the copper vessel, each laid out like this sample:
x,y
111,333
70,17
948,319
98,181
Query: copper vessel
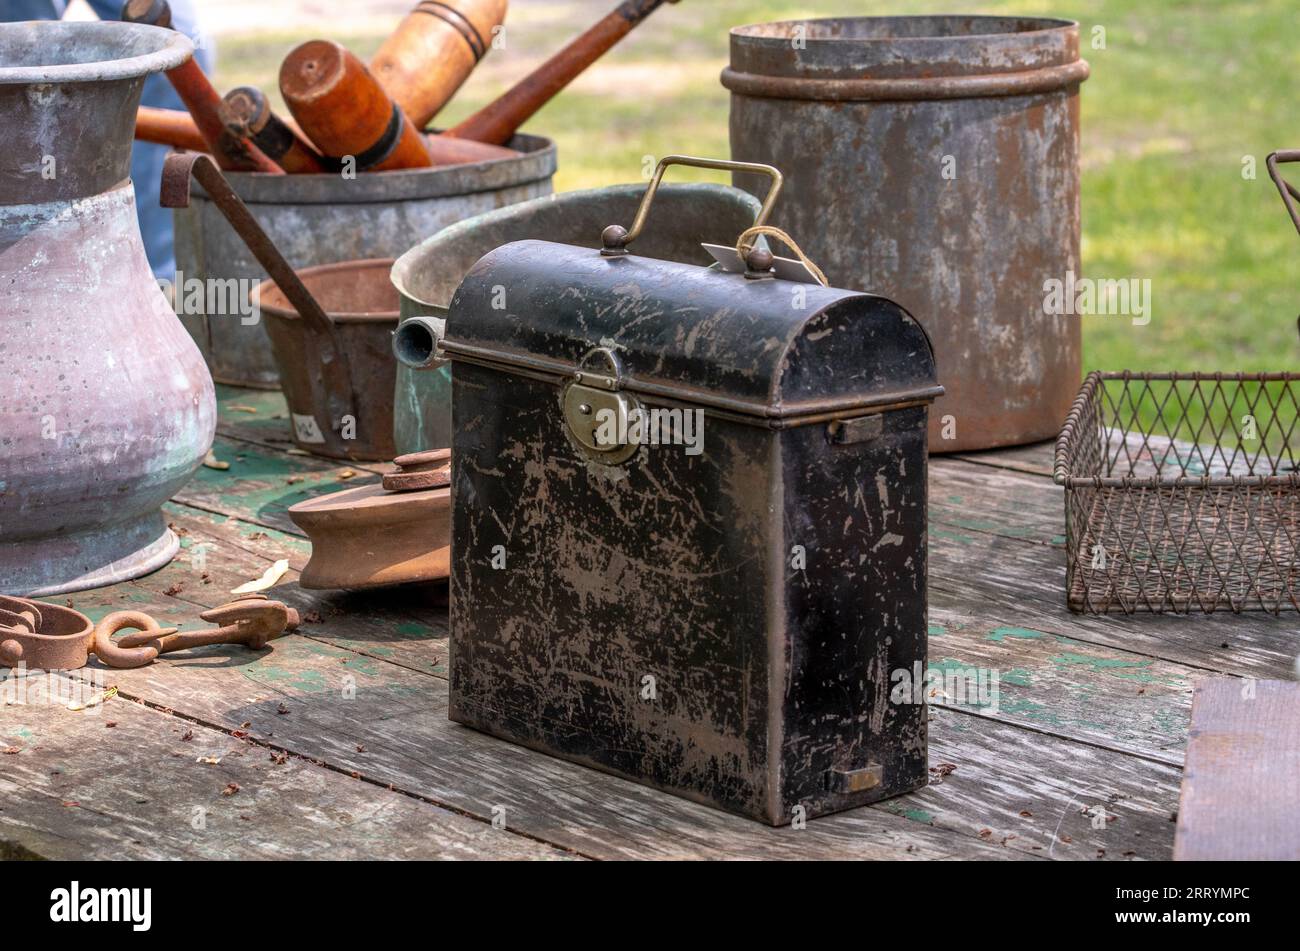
x,y
106,407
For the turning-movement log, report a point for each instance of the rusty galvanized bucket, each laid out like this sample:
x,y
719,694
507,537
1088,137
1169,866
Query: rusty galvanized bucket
x,y
106,408
361,304
325,219
427,276
934,160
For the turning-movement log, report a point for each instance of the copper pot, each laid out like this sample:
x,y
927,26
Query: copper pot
x,y
106,407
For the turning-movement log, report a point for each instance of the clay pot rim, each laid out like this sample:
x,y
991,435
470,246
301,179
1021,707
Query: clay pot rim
x,y
344,504
288,312
172,49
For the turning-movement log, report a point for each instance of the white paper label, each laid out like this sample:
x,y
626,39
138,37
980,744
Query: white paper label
x,y
306,429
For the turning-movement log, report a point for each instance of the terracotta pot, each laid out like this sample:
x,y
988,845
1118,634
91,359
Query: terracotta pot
x,y
106,407
396,532
361,303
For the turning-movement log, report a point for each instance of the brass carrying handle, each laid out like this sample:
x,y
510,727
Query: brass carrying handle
x,y
616,238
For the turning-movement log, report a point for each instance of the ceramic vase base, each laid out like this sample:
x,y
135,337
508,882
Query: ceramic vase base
x,y
48,566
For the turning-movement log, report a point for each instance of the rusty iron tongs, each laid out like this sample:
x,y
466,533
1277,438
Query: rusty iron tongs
x,y
178,168
252,620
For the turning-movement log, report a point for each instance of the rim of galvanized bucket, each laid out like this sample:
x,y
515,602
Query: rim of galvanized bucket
x,y
536,162
404,266
771,29
171,49
862,58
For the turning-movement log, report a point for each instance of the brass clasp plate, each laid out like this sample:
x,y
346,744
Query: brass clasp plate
x,y
598,411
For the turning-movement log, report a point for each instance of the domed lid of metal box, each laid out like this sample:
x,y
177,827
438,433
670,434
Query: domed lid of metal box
x,y
770,348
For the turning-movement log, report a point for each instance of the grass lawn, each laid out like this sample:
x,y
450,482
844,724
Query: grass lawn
x,y
1180,96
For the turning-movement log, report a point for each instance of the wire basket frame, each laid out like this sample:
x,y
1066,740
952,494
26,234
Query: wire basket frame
x,y
1182,493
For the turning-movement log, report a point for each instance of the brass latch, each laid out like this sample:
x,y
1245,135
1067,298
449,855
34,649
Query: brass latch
x,y
597,411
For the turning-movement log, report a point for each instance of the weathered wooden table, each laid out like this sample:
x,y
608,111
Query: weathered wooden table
x,y
334,742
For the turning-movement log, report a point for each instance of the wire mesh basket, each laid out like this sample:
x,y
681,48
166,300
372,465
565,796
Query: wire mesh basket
x,y
1182,493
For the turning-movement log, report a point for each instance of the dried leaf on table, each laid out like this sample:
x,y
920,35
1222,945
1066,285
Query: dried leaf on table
x,y
268,579
212,462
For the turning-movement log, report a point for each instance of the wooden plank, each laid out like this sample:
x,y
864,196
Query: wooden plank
x,y
1035,794
1048,682
1035,459
1054,684
1239,800
1093,697
122,781
1023,584
258,416
975,499
261,417
388,724
398,719
262,483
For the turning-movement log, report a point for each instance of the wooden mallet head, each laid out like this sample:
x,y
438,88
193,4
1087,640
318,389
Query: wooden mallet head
x,y
148,12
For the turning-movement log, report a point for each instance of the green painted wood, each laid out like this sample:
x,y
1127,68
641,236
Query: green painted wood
x,y
262,483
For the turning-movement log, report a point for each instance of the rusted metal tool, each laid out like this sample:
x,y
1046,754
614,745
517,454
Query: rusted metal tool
x,y
499,120
252,620
247,114
42,636
195,90
335,375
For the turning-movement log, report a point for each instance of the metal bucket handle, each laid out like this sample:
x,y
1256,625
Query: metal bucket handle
x,y
1284,188
616,238
1290,195
336,373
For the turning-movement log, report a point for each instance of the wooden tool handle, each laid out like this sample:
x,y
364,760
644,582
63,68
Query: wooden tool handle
x,y
445,150
433,51
341,107
169,127
196,92
246,114
498,121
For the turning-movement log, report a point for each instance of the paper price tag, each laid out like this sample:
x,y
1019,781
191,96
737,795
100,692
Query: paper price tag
x,y
307,430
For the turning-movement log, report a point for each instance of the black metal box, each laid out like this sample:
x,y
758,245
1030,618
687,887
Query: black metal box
x,y
718,618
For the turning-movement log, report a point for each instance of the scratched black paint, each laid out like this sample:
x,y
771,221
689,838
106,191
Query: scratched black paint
x,y
771,671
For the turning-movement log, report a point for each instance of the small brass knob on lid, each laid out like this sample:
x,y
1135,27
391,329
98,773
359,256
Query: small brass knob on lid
x,y
614,239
